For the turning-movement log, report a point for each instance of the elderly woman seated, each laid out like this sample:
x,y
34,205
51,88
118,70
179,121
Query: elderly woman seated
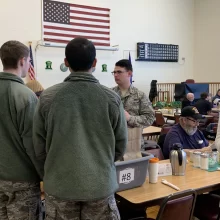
x,y
36,87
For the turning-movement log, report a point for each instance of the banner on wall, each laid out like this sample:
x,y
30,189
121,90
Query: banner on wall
x,y
63,21
197,89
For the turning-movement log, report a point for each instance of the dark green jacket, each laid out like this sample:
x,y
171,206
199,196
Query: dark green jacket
x,y
79,131
17,106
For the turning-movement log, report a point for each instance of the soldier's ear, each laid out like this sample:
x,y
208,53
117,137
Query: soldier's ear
x,y
94,63
66,62
130,73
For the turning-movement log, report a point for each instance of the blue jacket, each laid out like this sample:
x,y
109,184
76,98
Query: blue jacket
x,y
178,135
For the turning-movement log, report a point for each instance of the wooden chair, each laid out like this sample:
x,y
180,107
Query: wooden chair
x,y
176,118
160,121
190,81
165,129
215,128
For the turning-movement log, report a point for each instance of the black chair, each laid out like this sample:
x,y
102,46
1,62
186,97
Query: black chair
x,y
207,207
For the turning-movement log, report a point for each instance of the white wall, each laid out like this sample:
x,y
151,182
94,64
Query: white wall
x,y
207,37
154,21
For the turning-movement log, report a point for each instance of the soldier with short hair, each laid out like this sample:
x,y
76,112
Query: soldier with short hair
x,y
19,180
137,107
79,131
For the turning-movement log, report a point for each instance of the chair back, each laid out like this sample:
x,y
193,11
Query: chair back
x,y
215,128
178,206
165,129
215,116
190,81
207,207
176,118
160,121
152,147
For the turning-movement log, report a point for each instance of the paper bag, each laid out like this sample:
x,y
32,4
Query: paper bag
x,y
133,150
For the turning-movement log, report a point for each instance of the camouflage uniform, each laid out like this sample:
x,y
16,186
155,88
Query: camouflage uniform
x,y
137,104
19,201
104,209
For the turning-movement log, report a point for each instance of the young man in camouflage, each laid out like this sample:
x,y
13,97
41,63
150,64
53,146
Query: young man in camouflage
x,y
137,107
79,131
19,180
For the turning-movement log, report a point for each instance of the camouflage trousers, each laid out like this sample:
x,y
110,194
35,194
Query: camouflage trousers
x,y
104,209
19,201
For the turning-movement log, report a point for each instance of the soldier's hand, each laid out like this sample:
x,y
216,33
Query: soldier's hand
x,y
127,115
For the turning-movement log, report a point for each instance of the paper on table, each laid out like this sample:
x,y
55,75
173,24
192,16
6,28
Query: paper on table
x,y
164,169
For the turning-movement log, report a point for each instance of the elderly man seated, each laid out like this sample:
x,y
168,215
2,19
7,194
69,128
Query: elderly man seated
x,y
188,100
186,133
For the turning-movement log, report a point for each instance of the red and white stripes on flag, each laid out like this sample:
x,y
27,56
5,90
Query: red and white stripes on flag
x,y
63,21
31,72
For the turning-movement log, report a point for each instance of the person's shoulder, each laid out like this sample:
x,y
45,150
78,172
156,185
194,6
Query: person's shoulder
x,y
48,95
135,89
175,130
173,133
53,89
138,92
199,101
185,100
208,102
22,96
23,92
115,88
111,93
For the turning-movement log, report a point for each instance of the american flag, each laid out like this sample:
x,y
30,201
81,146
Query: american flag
x,y
31,70
63,21
129,58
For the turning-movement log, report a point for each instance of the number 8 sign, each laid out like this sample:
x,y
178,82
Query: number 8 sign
x,y
126,176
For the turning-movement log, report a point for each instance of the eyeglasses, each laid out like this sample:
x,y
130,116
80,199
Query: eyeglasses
x,y
195,121
118,72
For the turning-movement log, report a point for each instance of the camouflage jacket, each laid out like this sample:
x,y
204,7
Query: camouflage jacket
x,y
138,106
